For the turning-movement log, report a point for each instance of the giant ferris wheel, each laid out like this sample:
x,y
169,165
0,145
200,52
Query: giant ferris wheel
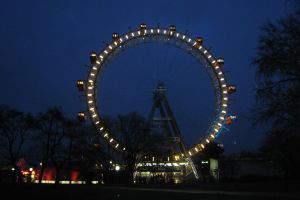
x,y
193,46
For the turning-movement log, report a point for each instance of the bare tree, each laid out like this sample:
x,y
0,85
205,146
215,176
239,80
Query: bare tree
x,y
50,126
15,129
136,135
278,91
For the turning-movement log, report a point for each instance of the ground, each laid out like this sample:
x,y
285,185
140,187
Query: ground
x,y
145,192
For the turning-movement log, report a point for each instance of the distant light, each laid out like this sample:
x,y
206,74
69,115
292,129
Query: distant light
x,y
12,169
30,169
117,168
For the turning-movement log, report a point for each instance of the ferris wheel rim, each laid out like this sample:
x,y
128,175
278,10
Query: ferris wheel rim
x,y
171,34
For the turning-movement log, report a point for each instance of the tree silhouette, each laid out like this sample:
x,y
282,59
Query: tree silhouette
x,y
278,92
50,127
136,135
15,129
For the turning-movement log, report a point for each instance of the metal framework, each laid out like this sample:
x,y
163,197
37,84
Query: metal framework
x,y
169,124
168,36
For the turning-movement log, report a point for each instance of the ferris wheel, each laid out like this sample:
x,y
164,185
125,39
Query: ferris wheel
x,y
193,46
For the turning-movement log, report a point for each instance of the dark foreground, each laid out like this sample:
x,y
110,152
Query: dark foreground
x,y
144,192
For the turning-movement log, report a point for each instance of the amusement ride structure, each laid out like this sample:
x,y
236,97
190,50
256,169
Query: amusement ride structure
x,y
193,46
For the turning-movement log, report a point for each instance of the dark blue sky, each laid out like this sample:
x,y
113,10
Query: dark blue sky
x,y
45,45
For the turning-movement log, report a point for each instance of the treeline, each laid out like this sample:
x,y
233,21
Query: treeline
x,y
48,139
277,108
51,139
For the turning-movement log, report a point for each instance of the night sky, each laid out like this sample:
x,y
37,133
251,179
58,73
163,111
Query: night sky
x,y
45,45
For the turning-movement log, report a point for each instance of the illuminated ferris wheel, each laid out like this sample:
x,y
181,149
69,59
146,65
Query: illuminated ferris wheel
x,y
193,46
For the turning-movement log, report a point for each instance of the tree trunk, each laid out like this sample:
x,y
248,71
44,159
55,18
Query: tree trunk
x,y
41,174
19,175
57,176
